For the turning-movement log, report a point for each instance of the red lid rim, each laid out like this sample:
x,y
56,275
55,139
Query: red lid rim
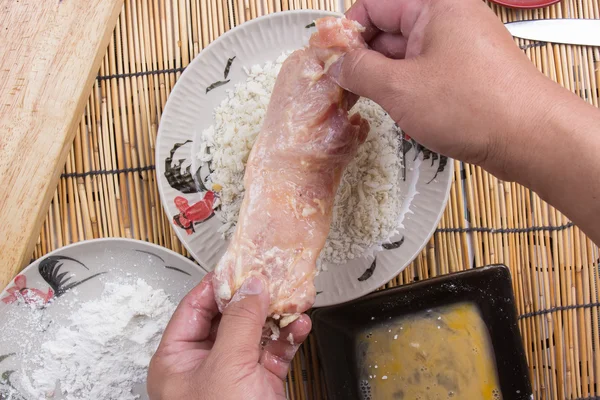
x,y
518,5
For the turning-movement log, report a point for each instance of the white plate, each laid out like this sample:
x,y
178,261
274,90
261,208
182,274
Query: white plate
x,y
189,111
95,262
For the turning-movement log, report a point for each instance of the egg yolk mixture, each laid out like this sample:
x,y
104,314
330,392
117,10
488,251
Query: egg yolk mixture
x,y
444,353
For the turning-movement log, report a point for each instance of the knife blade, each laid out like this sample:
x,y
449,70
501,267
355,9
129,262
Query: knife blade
x,y
583,32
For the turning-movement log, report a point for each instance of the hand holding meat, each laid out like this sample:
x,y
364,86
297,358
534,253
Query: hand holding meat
x,y
451,76
204,355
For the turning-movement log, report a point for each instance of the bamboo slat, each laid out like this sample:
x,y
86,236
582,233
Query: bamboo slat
x,y
108,187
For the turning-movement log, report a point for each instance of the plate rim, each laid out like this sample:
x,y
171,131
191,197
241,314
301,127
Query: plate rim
x,y
159,171
101,240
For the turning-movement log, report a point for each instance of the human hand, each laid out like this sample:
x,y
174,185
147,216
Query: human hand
x,y
450,75
205,356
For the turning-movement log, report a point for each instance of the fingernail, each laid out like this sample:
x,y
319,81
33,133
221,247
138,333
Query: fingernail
x,y
252,286
336,69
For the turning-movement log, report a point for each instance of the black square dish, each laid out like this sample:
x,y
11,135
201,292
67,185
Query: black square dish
x,y
340,332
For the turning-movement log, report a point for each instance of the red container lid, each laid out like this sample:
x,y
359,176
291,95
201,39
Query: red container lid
x,y
526,3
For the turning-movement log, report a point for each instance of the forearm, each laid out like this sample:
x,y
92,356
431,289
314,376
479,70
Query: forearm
x,y
559,160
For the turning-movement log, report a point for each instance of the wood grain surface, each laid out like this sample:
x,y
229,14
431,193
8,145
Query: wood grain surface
x,y
50,51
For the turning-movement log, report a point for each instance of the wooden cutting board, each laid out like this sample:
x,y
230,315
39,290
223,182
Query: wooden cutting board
x,y
50,52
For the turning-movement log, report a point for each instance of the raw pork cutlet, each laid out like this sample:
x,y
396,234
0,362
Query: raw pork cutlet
x,y
292,175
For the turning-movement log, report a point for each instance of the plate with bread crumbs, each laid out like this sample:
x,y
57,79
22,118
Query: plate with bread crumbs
x,y
391,196
83,321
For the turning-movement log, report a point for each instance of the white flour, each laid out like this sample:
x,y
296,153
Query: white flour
x,y
105,348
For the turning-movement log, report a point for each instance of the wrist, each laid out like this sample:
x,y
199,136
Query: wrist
x,y
534,126
558,135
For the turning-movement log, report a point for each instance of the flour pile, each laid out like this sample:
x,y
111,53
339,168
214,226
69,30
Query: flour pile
x,y
106,347
368,202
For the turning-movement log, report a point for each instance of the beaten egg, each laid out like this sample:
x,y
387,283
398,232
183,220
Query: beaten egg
x,y
442,353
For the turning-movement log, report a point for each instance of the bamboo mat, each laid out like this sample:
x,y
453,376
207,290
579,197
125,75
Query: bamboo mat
x,y
108,187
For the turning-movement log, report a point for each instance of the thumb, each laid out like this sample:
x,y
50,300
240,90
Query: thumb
x,y
370,74
241,325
